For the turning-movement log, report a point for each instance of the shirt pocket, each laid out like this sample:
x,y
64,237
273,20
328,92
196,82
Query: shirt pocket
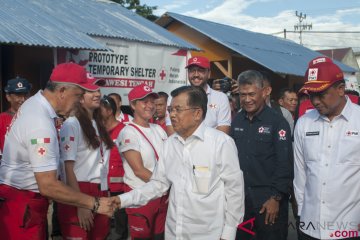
x,y
201,179
349,151
263,144
311,149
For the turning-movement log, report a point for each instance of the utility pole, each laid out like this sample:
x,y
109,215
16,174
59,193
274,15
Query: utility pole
x,y
300,27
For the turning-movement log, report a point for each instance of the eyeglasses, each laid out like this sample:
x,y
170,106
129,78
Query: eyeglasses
x,y
179,110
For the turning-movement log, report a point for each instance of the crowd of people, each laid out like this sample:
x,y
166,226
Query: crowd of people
x,y
192,164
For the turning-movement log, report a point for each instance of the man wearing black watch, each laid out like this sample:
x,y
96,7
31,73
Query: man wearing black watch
x,y
263,139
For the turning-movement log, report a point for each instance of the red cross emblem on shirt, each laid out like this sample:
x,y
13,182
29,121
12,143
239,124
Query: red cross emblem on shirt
x,y
41,151
67,147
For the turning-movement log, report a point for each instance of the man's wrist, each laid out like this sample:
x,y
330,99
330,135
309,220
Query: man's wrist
x,y
96,205
277,197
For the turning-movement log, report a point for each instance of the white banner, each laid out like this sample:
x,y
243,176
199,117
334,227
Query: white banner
x,y
132,63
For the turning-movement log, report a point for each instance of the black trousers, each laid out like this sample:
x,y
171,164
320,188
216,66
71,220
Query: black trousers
x,y
118,224
256,229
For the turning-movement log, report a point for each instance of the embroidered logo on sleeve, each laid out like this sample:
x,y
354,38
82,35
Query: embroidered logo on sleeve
x,y
124,142
39,141
282,134
68,139
41,151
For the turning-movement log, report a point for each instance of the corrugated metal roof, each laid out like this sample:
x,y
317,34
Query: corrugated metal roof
x,y
278,54
25,23
71,23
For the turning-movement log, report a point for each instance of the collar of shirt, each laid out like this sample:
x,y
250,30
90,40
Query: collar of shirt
x,y
345,113
198,133
39,95
259,116
208,89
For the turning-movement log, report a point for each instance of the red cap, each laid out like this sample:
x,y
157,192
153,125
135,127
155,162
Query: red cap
x,y
202,62
141,91
321,74
73,73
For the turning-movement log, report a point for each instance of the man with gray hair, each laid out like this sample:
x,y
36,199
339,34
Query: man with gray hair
x,y
263,140
200,164
28,172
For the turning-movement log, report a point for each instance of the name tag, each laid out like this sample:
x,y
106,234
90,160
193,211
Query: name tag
x,y
312,133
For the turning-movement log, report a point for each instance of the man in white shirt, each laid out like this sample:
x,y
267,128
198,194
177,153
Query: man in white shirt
x,y
327,157
28,173
201,166
218,113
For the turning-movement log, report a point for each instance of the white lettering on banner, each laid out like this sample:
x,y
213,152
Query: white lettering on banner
x,y
130,64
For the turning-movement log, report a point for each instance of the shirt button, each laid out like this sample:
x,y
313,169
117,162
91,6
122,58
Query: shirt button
x,y
331,126
329,146
323,202
324,184
326,165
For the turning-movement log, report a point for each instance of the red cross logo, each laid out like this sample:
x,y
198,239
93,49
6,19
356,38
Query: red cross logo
x,y
66,147
282,133
41,151
162,74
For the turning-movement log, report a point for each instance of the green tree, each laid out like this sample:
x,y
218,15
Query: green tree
x,y
141,9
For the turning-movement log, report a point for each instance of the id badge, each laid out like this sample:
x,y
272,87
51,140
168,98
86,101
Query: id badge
x,y
103,178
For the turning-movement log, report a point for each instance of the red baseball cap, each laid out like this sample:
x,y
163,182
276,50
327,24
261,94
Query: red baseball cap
x,y
202,62
73,73
141,91
321,74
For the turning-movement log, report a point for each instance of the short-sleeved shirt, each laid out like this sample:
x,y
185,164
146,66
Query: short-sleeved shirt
x,y
89,162
131,139
218,109
31,144
5,120
265,153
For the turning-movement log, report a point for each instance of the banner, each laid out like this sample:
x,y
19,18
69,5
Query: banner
x,y
132,63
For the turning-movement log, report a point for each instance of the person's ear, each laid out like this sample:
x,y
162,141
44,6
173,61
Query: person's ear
x,y
341,89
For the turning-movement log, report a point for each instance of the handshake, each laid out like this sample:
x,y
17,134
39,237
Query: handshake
x,y
107,205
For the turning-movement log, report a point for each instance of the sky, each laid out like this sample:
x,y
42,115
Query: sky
x,y
273,16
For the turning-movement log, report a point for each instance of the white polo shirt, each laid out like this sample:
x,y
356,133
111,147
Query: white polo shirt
x,y
91,165
130,139
207,186
327,173
31,144
218,109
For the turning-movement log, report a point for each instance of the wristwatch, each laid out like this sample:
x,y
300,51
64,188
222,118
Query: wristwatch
x,y
277,197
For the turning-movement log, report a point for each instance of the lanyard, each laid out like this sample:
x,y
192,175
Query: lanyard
x,y
134,126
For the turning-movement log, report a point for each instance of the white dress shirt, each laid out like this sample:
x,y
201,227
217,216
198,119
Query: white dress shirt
x,y
327,173
207,187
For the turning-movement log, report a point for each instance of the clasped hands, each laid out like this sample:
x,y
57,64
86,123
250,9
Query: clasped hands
x,y
108,205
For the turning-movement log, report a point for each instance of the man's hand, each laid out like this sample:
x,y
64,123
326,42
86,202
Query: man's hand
x,y
271,207
116,202
106,207
86,218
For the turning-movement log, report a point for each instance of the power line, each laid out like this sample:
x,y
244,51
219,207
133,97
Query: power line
x,y
300,26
